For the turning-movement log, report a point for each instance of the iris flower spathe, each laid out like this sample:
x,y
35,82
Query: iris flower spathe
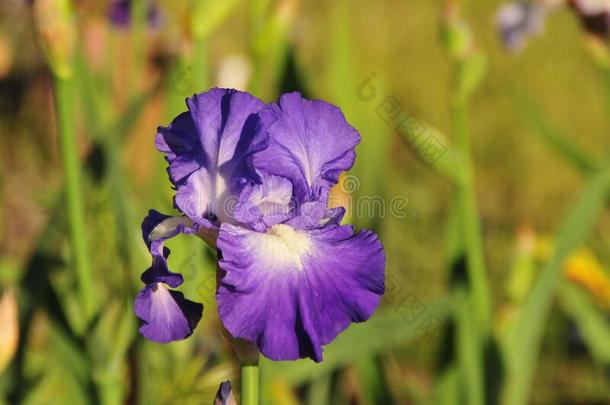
x,y
253,180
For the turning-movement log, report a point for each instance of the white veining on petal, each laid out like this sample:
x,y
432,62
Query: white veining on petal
x,y
284,245
168,226
163,302
273,196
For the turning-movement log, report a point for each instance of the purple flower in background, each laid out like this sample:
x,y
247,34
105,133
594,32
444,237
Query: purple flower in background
x,y
257,177
518,21
119,13
594,16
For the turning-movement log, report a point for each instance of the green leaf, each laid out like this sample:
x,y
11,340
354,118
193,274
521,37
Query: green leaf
x,y
432,147
382,332
524,337
447,390
469,351
592,323
471,73
319,390
559,142
372,380
208,15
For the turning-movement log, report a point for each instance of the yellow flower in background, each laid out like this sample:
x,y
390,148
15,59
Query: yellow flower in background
x,y
583,268
341,194
9,332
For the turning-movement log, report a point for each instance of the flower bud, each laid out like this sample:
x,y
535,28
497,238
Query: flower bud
x,y
56,31
455,33
225,396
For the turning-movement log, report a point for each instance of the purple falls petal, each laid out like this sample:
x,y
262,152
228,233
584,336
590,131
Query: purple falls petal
x,y
166,314
156,229
310,143
209,151
292,291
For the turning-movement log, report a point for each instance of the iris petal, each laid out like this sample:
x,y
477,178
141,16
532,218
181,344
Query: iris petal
x,y
156,229
166,314
310,143
266,204
292,291
209,150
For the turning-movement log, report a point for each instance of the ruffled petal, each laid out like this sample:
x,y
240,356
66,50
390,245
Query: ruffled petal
x,y
209,152
156,229
166,314
316,214
266,204
292,291
310,143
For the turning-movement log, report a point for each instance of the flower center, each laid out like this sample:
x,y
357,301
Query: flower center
x,y
286,245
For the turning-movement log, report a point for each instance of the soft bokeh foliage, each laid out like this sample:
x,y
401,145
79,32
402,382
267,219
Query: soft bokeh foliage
x,y
485,173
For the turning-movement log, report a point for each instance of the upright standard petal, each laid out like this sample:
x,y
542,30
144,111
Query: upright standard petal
x,y
209,150
310,143
166,314
291,291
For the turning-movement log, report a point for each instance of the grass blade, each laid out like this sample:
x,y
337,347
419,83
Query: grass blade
x,y
380,333
560,143
524,339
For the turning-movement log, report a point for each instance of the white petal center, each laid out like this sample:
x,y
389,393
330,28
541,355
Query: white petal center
x,y
284,245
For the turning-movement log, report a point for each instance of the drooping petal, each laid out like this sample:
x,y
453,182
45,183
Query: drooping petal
x,y
156,229
310,143
166,314
209,151
292,291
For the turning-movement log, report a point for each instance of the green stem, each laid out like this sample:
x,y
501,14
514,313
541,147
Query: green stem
x,y
249,384
139,17
65,105
467,208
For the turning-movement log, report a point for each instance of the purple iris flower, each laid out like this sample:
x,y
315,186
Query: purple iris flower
x,y
519,21
119,13
257,178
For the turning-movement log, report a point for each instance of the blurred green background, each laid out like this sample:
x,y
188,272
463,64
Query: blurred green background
x,y
497,280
